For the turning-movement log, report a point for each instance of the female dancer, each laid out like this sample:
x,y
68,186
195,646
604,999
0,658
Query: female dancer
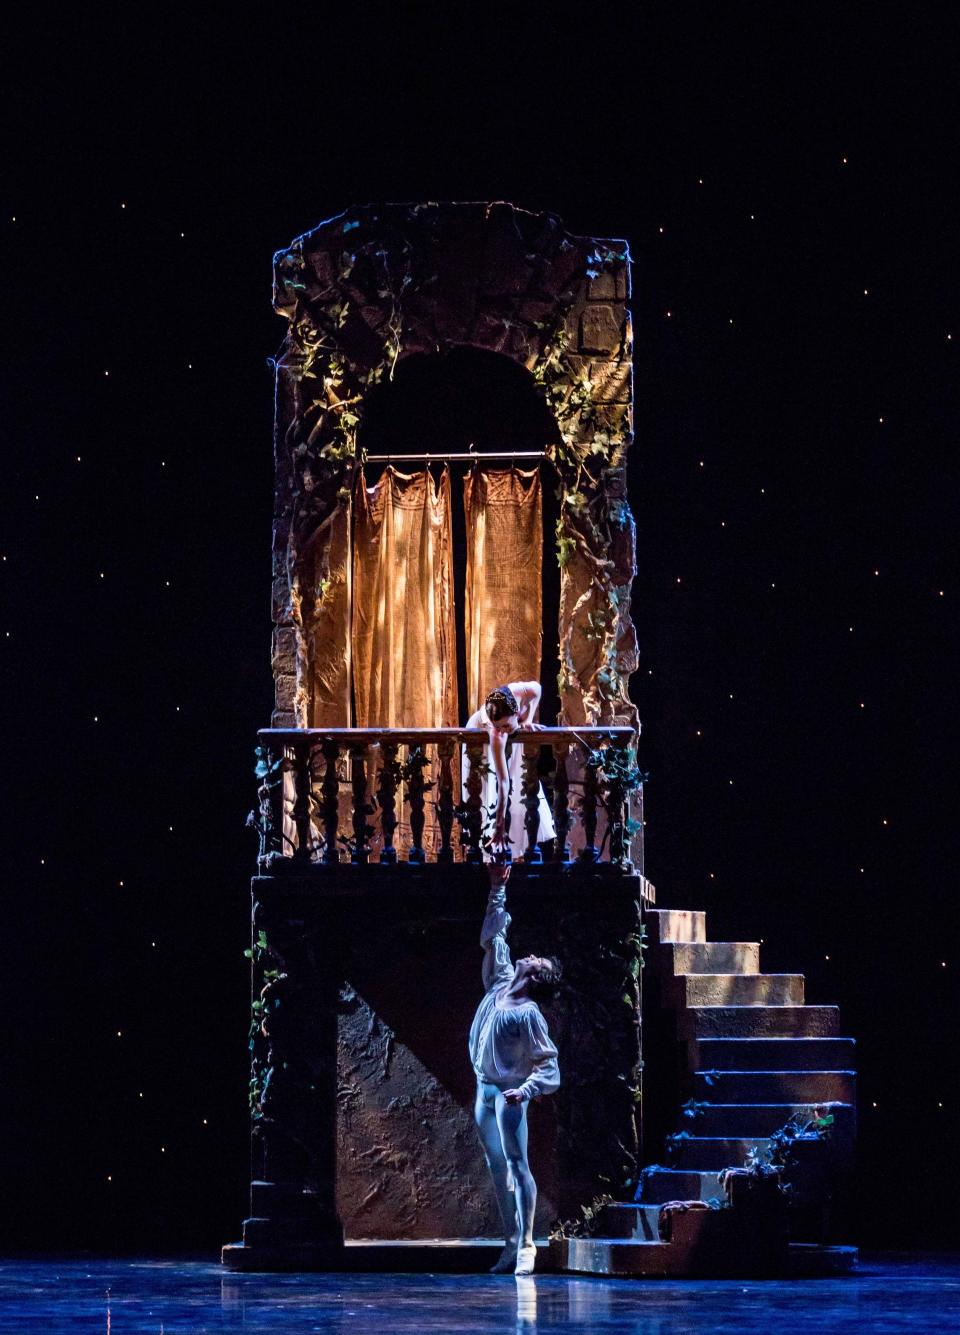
x,y
506,711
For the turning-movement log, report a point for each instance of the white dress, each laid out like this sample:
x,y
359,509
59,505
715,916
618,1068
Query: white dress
x,y
516,811
510,1046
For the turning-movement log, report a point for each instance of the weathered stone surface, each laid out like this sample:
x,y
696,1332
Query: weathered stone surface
x,y
283,656
408,1160
757,989
381,282
612,380
759,1022
676,925
740,957
601,328
286,687
602,288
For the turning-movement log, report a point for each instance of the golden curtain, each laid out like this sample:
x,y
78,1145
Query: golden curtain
x,y
403,632
504,612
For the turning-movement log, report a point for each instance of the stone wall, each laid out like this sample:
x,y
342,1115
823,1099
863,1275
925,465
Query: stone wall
x,y
362,1089
378,283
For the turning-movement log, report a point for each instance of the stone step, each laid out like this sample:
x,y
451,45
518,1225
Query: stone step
x,y
712,1153
675,925
774,1086
744,1120
713,956
744,989
759,1022
705,1243
772,1054
615,1256
639,1223
659,1185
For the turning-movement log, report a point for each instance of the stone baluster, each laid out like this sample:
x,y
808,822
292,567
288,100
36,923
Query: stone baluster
x,y
330,807
531,798
474,804
619,768
445,805
361,807
387,797
416,759
588,807
301,801
561,801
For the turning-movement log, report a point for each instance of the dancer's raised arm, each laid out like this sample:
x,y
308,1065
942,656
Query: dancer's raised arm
x,y
497,964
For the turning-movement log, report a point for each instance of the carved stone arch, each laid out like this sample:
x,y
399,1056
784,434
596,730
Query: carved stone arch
x,y
383,281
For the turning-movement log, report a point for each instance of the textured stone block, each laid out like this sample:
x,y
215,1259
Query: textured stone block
x,y
760,1022
675,925
286,688
714,956
601,328
284,652
612,380
602,288
726,989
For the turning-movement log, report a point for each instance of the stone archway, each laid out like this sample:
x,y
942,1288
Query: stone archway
x,y
380,282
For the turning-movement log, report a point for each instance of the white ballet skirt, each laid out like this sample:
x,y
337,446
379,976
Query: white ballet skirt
x,y
516,811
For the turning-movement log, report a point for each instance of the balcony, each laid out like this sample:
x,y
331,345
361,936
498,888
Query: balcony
x,y
392,796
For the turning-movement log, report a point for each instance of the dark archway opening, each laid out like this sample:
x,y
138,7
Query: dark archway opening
x,y
450,402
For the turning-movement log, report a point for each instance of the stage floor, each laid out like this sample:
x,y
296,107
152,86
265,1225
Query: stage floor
x,y
127,1297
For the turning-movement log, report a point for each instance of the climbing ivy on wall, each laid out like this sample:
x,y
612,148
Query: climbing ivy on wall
x,y
355,308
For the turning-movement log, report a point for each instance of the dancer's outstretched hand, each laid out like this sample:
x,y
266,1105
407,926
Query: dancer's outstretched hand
x,y
499,872
513,1096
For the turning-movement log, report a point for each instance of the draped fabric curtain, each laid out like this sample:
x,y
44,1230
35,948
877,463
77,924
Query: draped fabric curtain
x,y
504,611
403,631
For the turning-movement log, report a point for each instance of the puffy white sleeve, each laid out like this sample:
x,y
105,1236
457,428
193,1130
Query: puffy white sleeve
x,y
545,1076
497,964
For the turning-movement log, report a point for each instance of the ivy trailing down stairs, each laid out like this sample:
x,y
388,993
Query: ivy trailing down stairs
x,y
751,1059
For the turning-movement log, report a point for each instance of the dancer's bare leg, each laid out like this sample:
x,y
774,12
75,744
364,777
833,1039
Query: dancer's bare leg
x,y
512,1122
485,1114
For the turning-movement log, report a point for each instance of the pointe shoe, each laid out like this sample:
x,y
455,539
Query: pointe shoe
x,y
526,1260
507,1263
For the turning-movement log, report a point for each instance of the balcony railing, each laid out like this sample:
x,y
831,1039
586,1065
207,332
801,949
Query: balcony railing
x,y
319,789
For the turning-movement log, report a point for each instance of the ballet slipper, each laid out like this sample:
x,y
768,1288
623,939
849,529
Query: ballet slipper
x,y
526,1260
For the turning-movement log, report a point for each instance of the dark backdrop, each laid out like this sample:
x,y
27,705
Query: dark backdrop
x,y
797,587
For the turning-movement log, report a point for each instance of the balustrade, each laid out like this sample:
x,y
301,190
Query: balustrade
x,y
394,776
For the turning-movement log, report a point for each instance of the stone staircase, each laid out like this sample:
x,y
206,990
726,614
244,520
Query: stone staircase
x,y
755,1056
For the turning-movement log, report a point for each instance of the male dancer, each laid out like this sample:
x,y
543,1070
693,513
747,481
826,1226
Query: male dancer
x,y
514,1061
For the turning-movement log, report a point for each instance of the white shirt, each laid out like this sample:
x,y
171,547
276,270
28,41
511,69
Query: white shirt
x,y
510,1045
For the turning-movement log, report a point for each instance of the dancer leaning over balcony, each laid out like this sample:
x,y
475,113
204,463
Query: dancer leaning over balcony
x,y
506,711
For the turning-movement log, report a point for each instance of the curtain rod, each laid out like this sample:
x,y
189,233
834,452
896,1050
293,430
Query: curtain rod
x,y
455,458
